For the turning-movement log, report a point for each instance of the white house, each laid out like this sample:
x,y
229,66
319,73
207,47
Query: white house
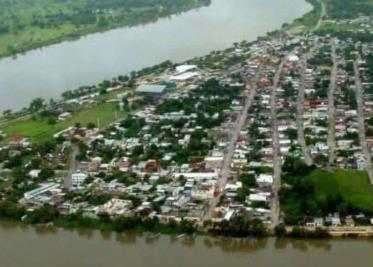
x,y
77,179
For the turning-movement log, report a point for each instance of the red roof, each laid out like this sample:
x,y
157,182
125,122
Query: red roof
x,y
17,138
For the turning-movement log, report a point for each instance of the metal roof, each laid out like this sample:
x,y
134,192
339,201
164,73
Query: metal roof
x,y
150,88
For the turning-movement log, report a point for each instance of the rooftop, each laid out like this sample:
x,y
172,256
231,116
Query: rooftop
x,y
150,88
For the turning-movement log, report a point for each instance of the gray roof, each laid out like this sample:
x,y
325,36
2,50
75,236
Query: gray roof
x,y
149,88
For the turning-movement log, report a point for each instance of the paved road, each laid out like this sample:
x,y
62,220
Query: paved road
x,y
234,135
322,15
277,161
300,110
331,107
360,110
72,165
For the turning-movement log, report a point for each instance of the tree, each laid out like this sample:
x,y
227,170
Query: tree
x,y
91,125
15,161
370,121
36,105
46,173
248,180
280,230
242,193
7,113
45,214
52,121
10,210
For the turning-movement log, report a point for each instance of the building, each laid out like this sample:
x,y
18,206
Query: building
x,y
40,190
77,179
156,91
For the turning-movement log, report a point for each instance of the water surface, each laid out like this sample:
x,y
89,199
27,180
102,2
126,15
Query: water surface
x,y
37,247
49,71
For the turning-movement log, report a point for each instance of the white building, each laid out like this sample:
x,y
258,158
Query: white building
x,y
77,179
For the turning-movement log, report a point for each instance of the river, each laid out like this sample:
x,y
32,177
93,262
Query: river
x,y
51,70
38,247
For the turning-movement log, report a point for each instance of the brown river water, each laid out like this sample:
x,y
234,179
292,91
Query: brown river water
x,y
25,246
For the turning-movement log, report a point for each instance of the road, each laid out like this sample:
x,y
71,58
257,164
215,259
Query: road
x,y
234,135
322,15
331,106
300,110
361,121
72,165
277,161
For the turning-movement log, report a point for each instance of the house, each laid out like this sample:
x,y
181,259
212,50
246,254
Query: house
x,y
124,164
64,116
265,179
349,221
44,188
156,91
77,179
150,89
18,140
319,222
231,189
116,207
258,197
34,174
213,163
154,179
361,164
336,221
185,68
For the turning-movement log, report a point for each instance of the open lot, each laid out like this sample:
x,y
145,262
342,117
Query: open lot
x,y
352,185
39,130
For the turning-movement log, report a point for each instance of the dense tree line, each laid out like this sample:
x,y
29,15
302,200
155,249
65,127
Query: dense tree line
x,y
66,19
55,13
345,9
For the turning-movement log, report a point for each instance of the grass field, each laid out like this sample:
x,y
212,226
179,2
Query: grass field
x,y
353,185
39,130
330,27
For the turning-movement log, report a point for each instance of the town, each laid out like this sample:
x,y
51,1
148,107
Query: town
x,y
262,137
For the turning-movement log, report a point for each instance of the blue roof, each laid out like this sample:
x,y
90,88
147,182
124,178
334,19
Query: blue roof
x,y
149,88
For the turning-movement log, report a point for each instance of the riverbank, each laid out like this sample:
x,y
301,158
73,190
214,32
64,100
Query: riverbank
x,y
50,71
39,129
238,228
37,33
44,246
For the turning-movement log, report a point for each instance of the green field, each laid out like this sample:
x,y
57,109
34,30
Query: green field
x,y
353,186
321,193
331,27
39,130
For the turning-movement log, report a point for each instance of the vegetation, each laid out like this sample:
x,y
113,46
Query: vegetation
x,y
310,19
346,9
39,129
299,232
27,24
239,227
311,192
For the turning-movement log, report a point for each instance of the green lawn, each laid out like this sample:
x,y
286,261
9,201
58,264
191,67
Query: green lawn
x,y
39,130
331,27
353,185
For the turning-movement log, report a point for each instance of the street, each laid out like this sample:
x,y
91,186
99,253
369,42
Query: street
x,y
300,110
361,121
277,161
331,106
